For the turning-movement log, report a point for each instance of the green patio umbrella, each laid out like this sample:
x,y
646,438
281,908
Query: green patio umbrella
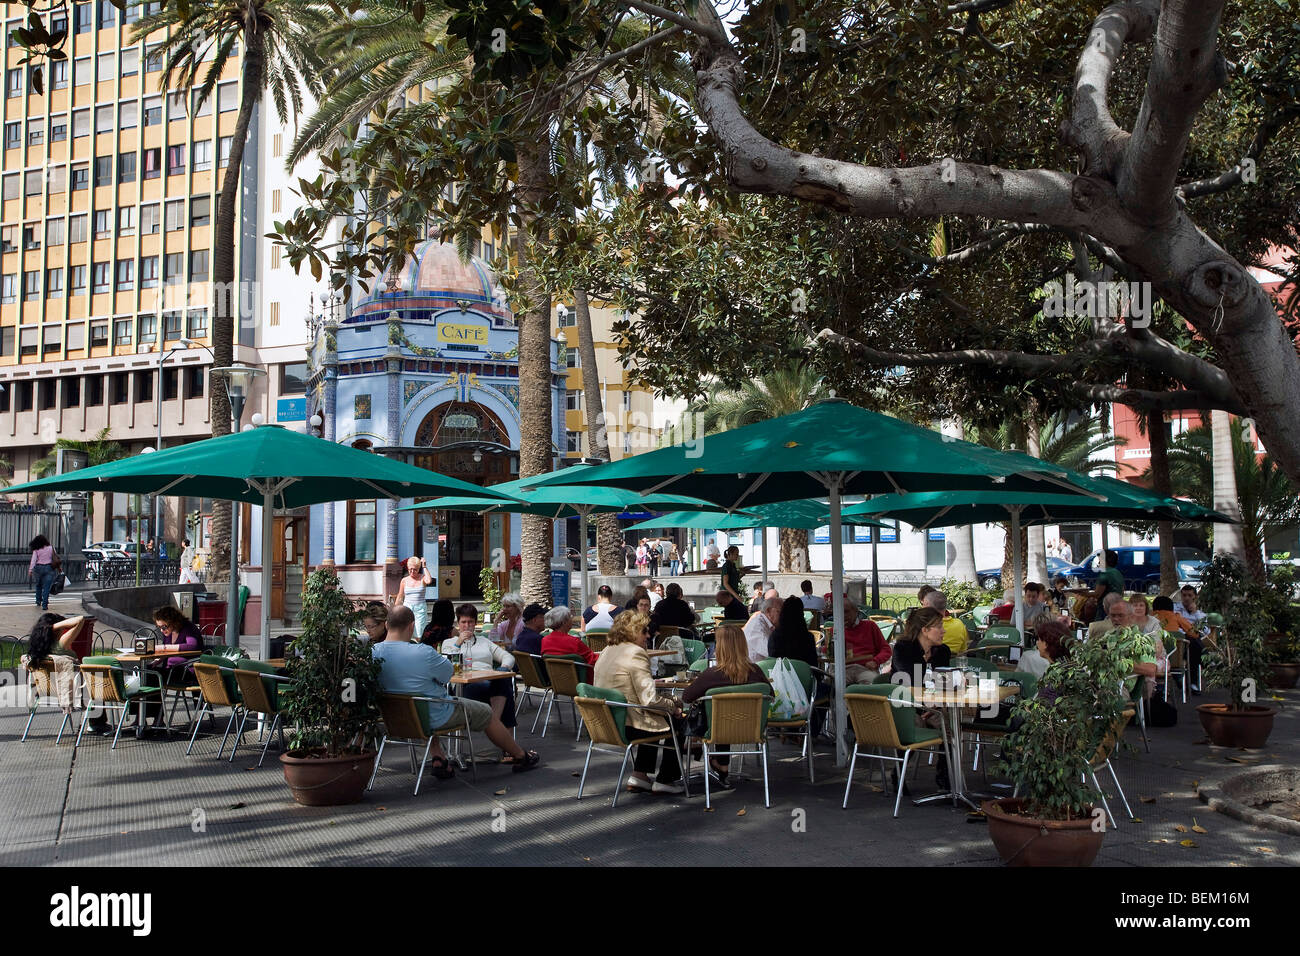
x,y
567,501
268,466
829,449
935,509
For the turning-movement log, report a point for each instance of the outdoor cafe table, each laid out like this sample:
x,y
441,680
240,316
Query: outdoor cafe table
x,y
473,677
140,659
950,704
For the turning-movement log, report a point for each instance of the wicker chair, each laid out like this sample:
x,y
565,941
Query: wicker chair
x,y
604,713
404,724
566,672
596,639
737,717
532,673
41,689
106,685
259,698
218,690
875,724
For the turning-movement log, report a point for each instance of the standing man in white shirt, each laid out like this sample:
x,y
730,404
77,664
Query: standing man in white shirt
x,y
711,554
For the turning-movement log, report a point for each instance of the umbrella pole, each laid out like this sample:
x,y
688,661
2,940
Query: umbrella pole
x,y
837,608
232,599
763,532
875,568
264,640
582,551
1017,579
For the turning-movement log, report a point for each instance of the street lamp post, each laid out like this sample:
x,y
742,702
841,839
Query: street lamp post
x,y
239,382
157,406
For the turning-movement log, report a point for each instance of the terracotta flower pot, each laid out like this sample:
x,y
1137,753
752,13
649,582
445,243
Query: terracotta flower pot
x,y
1284,675
1247,728
1026,841
327,781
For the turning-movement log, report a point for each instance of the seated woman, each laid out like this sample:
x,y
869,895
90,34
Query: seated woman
x,y
791,637
624,666
442,623
921,644
180,634
374,623
733,667
1150,626
53,636
561,642
640,603
478,653
602,613
511,620
1053,645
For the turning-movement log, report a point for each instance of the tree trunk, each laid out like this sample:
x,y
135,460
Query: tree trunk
x,y
535,419
962,539
1154,423
225,296
1227,537
794,551
609,536
1037,536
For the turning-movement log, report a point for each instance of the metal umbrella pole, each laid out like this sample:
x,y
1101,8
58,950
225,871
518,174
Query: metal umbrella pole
x,y
837,609
1017,579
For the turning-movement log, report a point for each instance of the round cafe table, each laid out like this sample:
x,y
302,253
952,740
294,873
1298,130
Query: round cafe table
x,y
950,704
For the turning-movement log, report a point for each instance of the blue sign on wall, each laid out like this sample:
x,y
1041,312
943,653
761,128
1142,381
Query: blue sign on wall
x,y
291,409
822,535
559,588
936,535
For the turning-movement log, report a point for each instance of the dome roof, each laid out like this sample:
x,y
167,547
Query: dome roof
x,y
434,276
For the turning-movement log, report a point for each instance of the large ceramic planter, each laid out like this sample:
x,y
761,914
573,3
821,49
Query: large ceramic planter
x,y
1247,728
1025,841
327,781
1284,675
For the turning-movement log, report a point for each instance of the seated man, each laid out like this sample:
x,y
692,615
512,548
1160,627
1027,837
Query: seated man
x,y
1187,607
529,640
419,669
1119,613
1005,608
756,601
810,601
732,610
560,642
955,635
1171,620
1035,603
865,649
673,611
759,628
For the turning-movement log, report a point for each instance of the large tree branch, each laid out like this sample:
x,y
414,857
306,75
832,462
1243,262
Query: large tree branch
x,y
1233,177
1147,400
1185,71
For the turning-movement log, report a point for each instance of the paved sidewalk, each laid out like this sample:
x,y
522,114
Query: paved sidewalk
x,y
148,804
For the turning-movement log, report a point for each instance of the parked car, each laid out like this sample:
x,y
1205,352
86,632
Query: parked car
x,y
992,578
576,559
125,549
1140,566
102,553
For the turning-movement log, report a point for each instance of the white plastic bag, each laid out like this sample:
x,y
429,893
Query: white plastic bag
x,y
790,697
132,682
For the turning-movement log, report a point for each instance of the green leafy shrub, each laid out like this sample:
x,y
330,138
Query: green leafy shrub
x,y
333,701
487,582
1248,608
962,595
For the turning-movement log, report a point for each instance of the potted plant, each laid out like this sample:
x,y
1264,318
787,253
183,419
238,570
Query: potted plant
x,y
1238,663
1282,645
1053,822
331,707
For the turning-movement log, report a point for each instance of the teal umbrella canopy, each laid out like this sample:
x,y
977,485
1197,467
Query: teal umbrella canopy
x,y
295,469
807,515
563,501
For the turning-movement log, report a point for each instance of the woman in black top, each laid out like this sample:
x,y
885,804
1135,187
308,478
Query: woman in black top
x,y
920,644
791,637
442,624
733,667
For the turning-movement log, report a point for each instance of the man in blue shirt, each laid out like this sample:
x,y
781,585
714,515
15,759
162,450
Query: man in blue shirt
x,y
420,670
529,640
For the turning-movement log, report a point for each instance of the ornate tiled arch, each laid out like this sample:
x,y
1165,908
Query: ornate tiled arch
x,y
435,394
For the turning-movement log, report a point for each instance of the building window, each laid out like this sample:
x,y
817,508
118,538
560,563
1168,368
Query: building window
x,y
175,105
130,60
565,317
71,387
79,281
201,158
128,114
95,385
83,70
174,268
227,97
76,342
80,123
54,232
31,237
627,401
571,359
199,265
274,314
101,276
148,272
573,400
10,189
200,211
152,163
107,14
195,381
13,83
13,135
149,219
83,16
77,228
103,170
573,442
198,322
9,287
54,283
35,135
144,380
153,111
58,176
31,284
175,214
98,339
51,341
27,345
171,323
80,178
32,182
148,333
8,238
59,74
104,119
6,348
121,336
102,223
153,59
125,274
58,128
171,381
293,377
126,167
361,532
223,151
126,221
202,107
176,159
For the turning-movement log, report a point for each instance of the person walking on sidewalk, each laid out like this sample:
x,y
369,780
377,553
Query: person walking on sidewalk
x,y
41,570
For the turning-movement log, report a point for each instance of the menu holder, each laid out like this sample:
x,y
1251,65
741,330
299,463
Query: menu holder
x,y
145,645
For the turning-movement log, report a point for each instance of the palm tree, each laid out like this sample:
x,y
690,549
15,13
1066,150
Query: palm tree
x,y
278,39
1266,498
99,451
780,392
381,55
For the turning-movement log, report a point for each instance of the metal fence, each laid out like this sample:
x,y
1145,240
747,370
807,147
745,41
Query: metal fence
x,y
18,528
13,569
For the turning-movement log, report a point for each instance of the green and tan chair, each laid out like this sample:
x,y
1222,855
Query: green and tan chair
x,y
883,716
737,717
105,683
604,713
406,722
566,672
217,688
533,681
260,687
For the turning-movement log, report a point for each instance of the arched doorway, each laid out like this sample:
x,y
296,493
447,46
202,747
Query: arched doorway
x,y
467,441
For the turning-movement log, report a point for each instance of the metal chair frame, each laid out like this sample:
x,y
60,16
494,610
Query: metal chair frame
x,y
665,741
762,701
236,707
99,683
887,739
255,695
40,686
412,743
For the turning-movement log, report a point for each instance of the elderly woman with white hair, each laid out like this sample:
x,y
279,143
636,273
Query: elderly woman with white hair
x,y
511,621
560,641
